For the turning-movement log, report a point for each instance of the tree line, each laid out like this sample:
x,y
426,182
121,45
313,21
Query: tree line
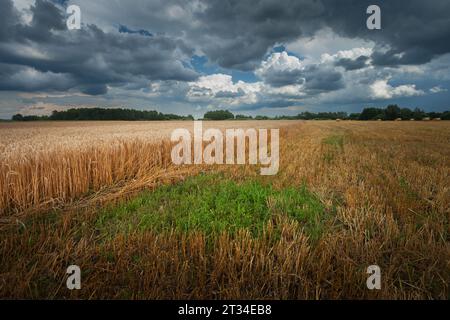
x,y
104,114
391,112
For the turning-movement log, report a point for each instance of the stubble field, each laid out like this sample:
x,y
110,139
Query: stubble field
x,y
105,196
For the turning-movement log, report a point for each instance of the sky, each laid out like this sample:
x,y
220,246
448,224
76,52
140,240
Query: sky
x,y
266,57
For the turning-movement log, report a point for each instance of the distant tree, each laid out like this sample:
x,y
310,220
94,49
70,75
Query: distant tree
x,y
330,115
306,115
114,114
392,112
445,115
406,114
418,114
242,117
17,117
372,114
218,115
434,115
354,116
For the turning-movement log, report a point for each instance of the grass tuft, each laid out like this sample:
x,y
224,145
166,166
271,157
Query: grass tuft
x,y
213,204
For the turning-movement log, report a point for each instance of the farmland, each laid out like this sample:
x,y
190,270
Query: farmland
x,y
105,196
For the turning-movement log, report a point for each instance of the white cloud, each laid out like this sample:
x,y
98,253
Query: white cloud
x,y
290,91
281,69
224,83
325,41
437,89
381,89
346,54
279,62
221,88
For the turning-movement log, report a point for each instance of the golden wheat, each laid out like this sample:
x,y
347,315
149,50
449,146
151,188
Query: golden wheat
x,y
48,164
389,183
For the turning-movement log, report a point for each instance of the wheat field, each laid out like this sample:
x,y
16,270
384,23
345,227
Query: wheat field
x,y
45,164
382,190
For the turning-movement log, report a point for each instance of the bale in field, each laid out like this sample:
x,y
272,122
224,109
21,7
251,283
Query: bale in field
x,y
398,119
337,120
437,119
412,119
426,119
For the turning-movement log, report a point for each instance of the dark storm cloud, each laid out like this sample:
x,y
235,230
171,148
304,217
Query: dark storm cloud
x,y
20,78
237,34
315,78
284,78
233,33
46,17
8,17
230,94
319,79
415,31
125,29
95,89
143,47
353,64
90,57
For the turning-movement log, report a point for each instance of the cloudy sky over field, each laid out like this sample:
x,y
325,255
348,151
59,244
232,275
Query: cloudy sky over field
x,y
252,57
